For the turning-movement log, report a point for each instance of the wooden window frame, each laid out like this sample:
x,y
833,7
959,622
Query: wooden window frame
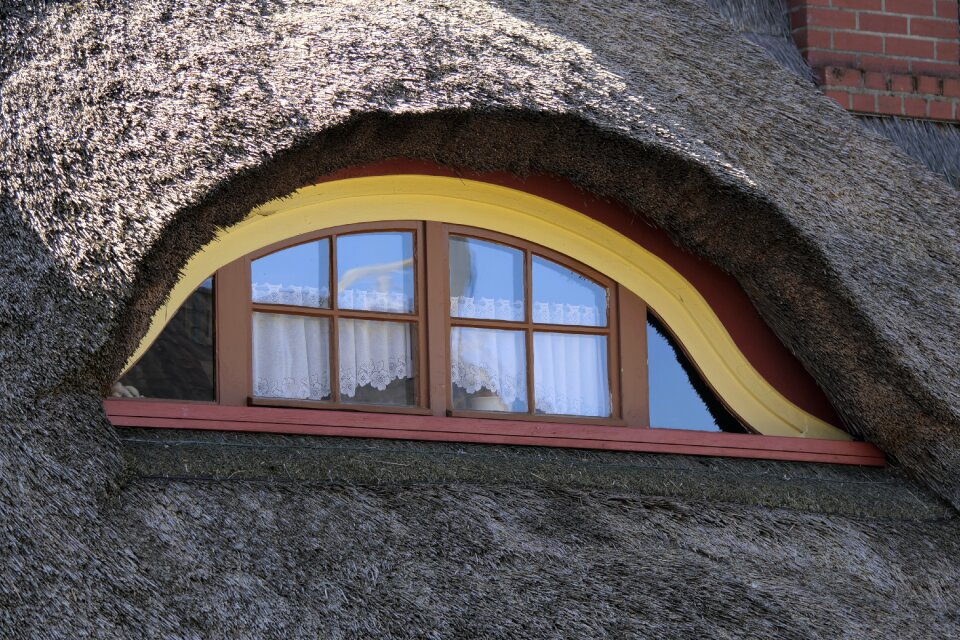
x,y
235,309
432,419
243,357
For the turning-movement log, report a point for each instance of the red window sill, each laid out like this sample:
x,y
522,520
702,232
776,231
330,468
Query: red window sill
x,y
175,415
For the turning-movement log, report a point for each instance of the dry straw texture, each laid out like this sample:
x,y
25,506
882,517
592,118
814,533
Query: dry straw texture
x,y
130,131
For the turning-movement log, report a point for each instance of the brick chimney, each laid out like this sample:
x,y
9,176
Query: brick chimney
x,y
890,57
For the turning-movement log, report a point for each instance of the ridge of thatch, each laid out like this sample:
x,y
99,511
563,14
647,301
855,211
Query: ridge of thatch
x,y
130,132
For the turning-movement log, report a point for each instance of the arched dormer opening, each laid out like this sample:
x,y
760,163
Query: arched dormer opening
x,y
450,269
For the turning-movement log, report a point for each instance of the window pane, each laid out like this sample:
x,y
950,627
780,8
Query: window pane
x,y
488,370
486,280
180,364
679,399
563,296
375,271
297,276
570,374
378,363
291,357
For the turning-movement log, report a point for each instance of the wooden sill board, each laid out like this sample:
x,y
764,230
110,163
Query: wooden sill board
x,y
177,415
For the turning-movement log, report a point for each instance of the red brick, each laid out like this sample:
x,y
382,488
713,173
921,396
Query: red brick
x,y
883,63
813,38
821,58
911,7
948,9
910,47
951,87
882,23
847,41
901,83
930,67
928,28
865,102
840,96
949,52
915,107
929,85
842,77
860,5
892,105
831,18
942,109
875,80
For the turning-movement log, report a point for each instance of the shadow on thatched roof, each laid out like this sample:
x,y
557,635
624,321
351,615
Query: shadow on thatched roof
x,y
131,132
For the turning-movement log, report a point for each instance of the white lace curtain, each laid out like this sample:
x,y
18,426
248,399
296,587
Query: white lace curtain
x,y
570,370
291,356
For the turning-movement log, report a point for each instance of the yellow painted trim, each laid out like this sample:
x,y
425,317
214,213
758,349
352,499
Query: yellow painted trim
x,y
515,213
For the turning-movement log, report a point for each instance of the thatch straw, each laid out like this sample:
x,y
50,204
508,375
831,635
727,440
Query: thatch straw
x,y
935,144
766,23
130,132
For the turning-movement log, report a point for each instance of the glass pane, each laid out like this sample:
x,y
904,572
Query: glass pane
x,y
570,374
180,363
375,271
488,368
486,280
563,296
291,357
378,362
298,276
679,399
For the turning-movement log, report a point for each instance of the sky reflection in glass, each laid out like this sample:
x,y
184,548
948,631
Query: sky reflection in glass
x,y
674,403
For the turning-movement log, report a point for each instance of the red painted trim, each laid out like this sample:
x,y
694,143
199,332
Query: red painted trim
x,y
170,415
724,295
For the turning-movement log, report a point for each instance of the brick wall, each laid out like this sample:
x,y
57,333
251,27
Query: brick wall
x,y
893,57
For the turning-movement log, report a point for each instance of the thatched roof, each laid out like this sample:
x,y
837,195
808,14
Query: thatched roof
x,y
129,133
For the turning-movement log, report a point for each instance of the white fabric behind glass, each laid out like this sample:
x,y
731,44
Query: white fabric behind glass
x,y
570,371
374,353
491,359
543,312
570,375
291,356
359,299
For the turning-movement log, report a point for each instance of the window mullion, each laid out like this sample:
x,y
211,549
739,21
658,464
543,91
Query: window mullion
x,y
437,316
334,324
528,311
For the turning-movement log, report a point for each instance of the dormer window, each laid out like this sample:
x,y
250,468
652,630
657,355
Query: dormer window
x,y
461,332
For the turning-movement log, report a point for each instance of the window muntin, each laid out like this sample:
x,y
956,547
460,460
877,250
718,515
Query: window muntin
x,y
492,370
371,333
